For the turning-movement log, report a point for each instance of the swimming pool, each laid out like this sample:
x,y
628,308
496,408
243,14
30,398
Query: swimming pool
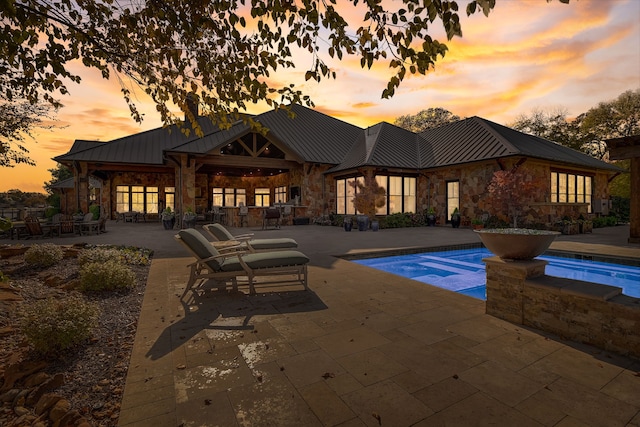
x,y
463,270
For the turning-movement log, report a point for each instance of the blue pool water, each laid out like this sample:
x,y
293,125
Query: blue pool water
x,y
463,270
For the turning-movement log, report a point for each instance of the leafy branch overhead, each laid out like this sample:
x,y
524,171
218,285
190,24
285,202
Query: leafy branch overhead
x,y
226,51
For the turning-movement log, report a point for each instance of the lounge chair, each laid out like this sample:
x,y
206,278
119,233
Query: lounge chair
x,y
211,264
220,233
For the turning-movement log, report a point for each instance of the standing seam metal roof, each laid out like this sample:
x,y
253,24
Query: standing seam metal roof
x,y
317,138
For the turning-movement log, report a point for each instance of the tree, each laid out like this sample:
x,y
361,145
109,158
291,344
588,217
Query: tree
x,y
426,119
224,51
510,192
612,119
550,124
17,122
59,173
369,196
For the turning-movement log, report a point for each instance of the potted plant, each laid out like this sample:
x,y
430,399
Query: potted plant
x,y
431,217
477,224
509,191
189,219
455,218
584,225
569,226
369,197
347,223
168,219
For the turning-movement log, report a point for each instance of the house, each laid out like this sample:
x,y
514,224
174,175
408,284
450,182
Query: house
x,y
313,159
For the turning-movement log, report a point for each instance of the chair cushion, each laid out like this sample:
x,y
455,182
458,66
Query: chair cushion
x,y
219,232
262,244
200,246
265,260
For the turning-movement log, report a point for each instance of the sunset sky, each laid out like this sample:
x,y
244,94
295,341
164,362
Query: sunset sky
x,y
527,54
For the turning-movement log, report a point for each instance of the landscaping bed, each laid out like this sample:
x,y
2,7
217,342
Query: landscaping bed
x,y
84,384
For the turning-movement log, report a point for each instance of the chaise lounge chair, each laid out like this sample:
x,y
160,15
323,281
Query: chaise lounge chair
x,y
219,232
211,264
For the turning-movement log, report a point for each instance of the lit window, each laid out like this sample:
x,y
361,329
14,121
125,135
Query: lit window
x,y
571,188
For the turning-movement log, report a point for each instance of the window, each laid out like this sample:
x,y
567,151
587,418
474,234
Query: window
x,y
345,192
262,196
122,198
170,198
453,197
151,200
229,196
400,193
571,188
136,198
280,194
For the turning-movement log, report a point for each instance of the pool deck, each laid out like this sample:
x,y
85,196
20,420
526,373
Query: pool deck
x,y
361,348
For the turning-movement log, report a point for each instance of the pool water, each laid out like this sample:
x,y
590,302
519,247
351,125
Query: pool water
x,y
463,270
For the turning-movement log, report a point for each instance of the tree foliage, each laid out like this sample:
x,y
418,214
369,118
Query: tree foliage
x,y
610,119
509,192
18,121
59,173
426,119
225,51
588,131
369,197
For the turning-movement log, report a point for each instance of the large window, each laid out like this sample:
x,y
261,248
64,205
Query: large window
x,y
453,197
136,198
229,196
280,194
262,196
400,193
345,192
571,188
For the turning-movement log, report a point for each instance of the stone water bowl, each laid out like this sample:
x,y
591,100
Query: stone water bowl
x,y
516,243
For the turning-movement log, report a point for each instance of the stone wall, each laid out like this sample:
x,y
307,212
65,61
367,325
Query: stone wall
x,y
600,315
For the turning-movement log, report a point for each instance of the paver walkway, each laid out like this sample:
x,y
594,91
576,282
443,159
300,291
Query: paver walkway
x,y
362,347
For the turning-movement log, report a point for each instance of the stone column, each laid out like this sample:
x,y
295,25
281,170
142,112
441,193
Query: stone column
x,y
505,286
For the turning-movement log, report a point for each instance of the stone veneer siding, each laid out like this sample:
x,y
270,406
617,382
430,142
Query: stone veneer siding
x,y
600,315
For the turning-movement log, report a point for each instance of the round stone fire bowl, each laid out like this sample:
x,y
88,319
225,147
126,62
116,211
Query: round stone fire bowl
x,y
516,243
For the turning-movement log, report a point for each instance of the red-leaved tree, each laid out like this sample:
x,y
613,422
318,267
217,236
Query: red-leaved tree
x,y
369,196
511,191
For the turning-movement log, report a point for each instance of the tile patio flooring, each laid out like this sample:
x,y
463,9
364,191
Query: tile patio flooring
x,y
361,348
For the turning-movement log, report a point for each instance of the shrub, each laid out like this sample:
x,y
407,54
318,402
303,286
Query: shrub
x,y
44,255
99,255
54,325
398,220
136,256
106,276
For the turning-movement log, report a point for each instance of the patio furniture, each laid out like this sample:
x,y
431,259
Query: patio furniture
x,y
286,213
220,233
35,229
243,212
88,224
211,264
270,216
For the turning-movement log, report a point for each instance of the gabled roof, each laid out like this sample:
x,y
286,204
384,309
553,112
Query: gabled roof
x,y
315,137
312,136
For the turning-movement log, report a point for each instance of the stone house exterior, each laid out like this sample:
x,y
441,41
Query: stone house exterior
x,y
311,160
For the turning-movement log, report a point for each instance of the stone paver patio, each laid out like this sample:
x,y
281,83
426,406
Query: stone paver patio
x,y
361,348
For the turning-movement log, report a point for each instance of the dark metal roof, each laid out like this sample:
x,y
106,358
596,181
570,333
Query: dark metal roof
x,y
313,136
476,139
317,138
384,145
